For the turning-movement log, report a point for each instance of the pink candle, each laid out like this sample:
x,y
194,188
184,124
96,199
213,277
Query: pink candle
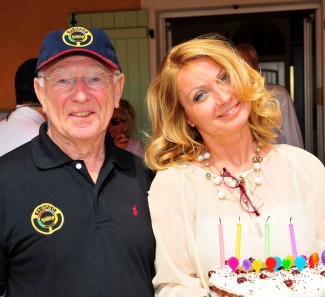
x,y
293,240
221,245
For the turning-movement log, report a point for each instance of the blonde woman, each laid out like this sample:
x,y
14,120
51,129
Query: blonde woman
x,y
212,147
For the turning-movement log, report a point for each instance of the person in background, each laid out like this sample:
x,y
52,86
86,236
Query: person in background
x,y
74,213
121,128
22,124
289,132
212,150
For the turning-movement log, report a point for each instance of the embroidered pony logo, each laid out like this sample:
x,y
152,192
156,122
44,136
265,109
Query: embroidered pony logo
x,y
135,211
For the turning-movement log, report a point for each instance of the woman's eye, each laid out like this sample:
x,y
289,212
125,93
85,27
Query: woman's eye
x,y
199,96
224,78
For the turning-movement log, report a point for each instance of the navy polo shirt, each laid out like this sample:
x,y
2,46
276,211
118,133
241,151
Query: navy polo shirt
x,y
62,235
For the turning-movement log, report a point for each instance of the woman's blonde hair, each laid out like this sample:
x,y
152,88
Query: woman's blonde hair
x,y
172,140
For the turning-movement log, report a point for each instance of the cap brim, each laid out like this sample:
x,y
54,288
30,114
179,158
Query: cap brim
x,y
63,53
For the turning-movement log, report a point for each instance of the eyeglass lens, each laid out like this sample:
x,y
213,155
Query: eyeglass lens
x,y
233,183
61,81
116,121
246,202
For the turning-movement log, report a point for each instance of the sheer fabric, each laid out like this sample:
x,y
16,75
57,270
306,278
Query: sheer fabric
x,y
185,214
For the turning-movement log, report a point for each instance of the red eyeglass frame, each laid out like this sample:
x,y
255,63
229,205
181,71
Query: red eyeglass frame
x,y
243,192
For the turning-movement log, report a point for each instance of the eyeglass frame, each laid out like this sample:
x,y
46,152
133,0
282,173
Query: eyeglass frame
x,y
115,75
116,121
242,190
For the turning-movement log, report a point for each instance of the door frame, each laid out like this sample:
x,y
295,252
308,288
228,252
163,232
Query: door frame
x,y
128,32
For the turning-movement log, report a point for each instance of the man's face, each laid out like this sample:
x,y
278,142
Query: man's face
x,y
78,96
118,123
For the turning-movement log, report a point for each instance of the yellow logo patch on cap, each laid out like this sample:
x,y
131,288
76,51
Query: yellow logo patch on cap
x,y
47,218
77,37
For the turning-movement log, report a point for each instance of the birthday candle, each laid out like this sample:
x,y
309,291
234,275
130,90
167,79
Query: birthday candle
x,y
323,257
238,240
293,240
221,244
266,239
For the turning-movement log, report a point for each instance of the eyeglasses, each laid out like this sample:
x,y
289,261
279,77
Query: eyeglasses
x,y
116,121
64,82
233,183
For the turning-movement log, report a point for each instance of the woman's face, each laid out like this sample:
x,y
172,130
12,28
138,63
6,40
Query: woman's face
x,y
210,101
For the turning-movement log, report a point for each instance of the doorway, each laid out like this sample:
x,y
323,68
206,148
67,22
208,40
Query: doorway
x,y
282,42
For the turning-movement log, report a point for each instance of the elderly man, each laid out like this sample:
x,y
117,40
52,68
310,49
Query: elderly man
x,y
74,218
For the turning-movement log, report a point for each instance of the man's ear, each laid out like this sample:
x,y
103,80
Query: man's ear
x,y
39,91
119,83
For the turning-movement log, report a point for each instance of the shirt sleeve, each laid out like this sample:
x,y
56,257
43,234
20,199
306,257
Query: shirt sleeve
x,y
177,273
290,129
135,147
315,200
3,270
307,173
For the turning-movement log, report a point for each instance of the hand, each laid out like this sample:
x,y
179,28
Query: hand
x,y
121,141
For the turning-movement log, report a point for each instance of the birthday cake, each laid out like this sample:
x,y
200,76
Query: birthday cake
x,y
269,279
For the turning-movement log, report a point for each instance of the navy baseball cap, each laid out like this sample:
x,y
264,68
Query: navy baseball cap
x,y
92,42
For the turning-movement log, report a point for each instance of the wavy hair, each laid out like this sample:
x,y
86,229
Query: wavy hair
x,y
172,140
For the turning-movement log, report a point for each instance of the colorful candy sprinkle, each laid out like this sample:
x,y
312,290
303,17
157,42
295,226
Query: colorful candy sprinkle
x,y
288,282
241,280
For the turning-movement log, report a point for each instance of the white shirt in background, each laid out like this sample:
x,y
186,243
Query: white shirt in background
x,y
22,125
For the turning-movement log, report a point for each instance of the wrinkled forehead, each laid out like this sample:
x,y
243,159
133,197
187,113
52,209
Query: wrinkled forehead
x,y
73,63
200,67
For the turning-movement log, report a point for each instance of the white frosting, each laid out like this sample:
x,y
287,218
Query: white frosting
x,y
309,282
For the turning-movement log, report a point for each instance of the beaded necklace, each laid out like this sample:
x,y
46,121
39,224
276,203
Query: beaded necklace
x,y
234,192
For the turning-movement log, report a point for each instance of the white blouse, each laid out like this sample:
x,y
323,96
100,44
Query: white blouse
x,y
186,213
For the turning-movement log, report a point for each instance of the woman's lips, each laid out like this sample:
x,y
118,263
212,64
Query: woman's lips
x,y
230,111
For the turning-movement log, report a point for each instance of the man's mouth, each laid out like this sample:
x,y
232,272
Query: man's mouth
x,y
81,114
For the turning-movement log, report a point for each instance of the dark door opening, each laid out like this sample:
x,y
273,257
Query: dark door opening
x,y
277,36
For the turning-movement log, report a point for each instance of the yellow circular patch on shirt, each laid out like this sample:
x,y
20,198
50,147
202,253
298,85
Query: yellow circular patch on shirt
x,y
47,218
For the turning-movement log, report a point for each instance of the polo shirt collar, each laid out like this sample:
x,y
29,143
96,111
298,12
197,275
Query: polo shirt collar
x,y
48,155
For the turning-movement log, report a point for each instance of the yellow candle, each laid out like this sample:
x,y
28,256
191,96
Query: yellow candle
x,y
221,244
238,240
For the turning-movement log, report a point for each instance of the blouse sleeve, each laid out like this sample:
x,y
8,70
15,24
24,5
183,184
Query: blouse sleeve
x,y
308,174
316,182
176,268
